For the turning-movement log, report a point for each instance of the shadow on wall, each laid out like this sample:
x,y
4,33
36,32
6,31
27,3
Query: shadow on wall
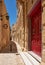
x,y
10,48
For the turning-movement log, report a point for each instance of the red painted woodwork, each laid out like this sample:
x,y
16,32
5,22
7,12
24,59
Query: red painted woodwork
x,y
36,29
36,34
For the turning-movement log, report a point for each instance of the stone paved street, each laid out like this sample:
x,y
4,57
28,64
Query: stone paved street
x,y
11,59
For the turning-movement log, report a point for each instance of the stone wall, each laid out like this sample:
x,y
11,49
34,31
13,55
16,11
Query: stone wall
x,y
26,7
43,31
22,26
4,26
19,33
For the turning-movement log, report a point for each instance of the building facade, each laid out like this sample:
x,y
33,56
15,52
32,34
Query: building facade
x,y
4,26
32,25
18,28
43,31
36,25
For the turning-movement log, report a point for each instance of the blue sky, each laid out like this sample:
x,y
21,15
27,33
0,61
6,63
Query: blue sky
x,y
12,10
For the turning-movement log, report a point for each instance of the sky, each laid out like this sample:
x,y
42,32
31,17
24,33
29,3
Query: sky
x,y
12,10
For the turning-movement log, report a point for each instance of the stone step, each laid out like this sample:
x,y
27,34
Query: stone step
x,y
38,58
31,59
28,59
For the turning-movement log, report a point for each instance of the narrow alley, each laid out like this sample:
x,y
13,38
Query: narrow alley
x,y
22,32
15,56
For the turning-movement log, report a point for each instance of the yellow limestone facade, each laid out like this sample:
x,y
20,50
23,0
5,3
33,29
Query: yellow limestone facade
x,y
22,25
4,26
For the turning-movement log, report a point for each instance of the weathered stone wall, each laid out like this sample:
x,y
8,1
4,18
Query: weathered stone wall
x,y
4,26
22,26
26,7
0,26
43,31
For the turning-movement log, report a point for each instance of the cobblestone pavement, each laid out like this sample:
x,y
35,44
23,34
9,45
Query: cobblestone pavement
x,y
11,59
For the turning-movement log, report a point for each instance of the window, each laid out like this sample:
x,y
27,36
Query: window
x,y
1,17
7,17
5,26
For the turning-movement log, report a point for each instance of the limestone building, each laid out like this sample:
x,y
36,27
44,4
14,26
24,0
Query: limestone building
x,y
4,26
18,28
43,30
32,20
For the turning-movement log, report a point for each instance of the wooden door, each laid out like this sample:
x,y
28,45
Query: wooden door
x,y
36,30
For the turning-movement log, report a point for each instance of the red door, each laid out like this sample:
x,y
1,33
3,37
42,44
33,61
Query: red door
x,y
36,30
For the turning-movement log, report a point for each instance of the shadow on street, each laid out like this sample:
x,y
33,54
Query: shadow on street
x,y
10,48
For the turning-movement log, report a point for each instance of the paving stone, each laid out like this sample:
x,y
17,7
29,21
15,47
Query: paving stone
x,y
10,59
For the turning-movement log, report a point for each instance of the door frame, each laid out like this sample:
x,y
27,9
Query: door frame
x,y
29,34
29,18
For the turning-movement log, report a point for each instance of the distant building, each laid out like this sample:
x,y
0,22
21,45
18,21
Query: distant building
x,y
18,28
4,26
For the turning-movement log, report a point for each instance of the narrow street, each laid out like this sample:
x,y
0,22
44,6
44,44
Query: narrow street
x,y
14,56
22,32
10,55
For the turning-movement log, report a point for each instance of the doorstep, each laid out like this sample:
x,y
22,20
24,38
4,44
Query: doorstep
x,y
28,59
38,58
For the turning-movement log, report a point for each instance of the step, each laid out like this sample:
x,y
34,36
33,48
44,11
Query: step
x,y
26,61
31,59
38,58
